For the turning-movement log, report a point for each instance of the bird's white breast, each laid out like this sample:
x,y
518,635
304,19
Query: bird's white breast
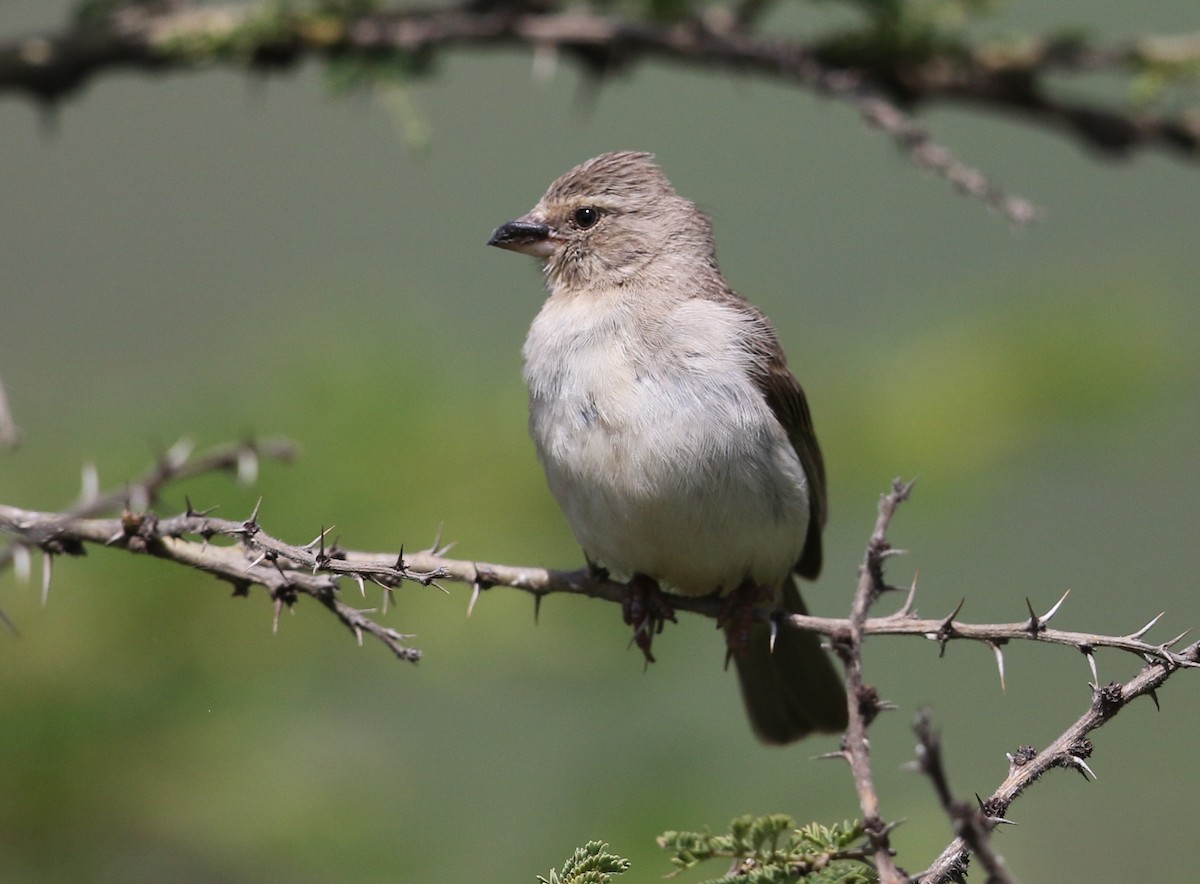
x,y
657,444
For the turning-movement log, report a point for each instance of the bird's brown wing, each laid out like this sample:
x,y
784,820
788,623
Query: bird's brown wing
x,y
786,398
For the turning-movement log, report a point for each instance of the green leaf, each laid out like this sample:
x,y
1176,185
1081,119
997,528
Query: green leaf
x,y
771,850
590,864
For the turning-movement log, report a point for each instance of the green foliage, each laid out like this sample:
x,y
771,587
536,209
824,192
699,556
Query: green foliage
x,y
771,850
590,864
1162,63
652,10
910,29
271,24
94,13
348,7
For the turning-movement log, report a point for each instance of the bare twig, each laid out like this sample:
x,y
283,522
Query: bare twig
x,y
174,465
1007,76
972,824
257,559
65,532
996,634
862,700
881,79
242,554
882,86
1071,750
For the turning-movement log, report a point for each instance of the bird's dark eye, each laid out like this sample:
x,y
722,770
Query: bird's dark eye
x,y
586,217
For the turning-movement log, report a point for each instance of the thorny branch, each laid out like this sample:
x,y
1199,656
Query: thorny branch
x,y
242,554
972,823
257,558
174,465
1071,750
881,78
863,702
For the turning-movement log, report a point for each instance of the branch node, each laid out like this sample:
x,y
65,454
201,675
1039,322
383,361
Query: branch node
x,y
250,526
946,630
1033,625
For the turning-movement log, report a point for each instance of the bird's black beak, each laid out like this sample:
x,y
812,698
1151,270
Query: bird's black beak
x,y
522,235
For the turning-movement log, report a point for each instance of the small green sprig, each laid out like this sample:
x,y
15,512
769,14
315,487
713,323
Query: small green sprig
x,y
772,850
590,864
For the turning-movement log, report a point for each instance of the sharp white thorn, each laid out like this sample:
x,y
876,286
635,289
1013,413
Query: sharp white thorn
x,y
999,652
139,498
90,482
47,570
247,466
178,453
22,562
907,609
1147,627
317,540
1054,609
1177,639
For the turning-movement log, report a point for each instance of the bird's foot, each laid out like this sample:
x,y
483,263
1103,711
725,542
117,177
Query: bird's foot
x,y
739,613
646,609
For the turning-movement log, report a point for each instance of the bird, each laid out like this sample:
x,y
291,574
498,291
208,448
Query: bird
x,y
673,435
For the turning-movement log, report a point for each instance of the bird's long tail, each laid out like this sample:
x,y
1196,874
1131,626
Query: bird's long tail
x,y
794,690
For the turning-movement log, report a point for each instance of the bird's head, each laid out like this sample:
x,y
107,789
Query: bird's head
x,y
609,222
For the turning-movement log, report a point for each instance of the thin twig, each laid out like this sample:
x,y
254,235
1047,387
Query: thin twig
x,y
883,87
257,559
174,465
1071,750
862,701
972,823
1005,75
247,556
64,532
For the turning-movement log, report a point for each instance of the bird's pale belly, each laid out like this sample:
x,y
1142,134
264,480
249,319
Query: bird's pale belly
x,y
686,481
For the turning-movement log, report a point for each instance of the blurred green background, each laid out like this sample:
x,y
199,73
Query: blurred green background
x,y
212,255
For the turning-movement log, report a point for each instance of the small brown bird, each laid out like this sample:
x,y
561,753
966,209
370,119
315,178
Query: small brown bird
x,y
673,435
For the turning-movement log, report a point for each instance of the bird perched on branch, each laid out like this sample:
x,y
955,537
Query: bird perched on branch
x,y
674,437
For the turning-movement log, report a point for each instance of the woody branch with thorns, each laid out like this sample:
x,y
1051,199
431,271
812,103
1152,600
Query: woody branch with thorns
x,y
242,554
895,60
